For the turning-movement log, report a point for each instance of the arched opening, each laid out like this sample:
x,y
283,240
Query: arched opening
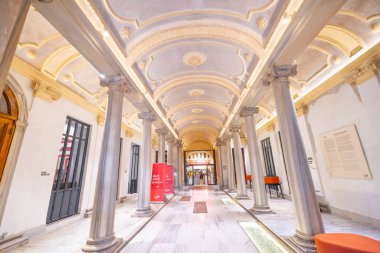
x,y
9,113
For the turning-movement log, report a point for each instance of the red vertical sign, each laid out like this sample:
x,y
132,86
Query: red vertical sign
x,y
157,194
168,179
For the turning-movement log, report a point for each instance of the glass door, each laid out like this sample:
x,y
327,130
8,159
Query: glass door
x,y
189,180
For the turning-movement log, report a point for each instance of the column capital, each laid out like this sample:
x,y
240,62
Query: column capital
x,y
219,142
279,71
226,137
116,83
248,111
284,71
161,131
147,116
178,143
235,129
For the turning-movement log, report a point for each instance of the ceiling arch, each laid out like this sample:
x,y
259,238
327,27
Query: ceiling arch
x,y
207,29
189,80
212,104
198,117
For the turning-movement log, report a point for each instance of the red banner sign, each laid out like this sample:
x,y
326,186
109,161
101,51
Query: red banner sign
x,y
157,194
168,179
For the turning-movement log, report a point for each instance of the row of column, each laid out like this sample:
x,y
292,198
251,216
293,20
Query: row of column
x,y
308,217
102,237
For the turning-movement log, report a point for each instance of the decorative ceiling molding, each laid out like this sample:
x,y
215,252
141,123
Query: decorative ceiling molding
x,y
38,45
347,41
211,104
191,79
190,117
170,15
184,30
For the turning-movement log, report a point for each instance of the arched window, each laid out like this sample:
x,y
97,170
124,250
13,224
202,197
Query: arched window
x,y
8,117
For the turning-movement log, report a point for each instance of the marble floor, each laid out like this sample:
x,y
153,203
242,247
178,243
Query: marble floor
x,y
70,238
226,227
282,222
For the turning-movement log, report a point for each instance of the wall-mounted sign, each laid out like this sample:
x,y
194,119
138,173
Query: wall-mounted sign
x,y
344,155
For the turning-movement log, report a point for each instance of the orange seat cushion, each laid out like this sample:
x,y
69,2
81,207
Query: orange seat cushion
x,y
271,180
346,243
248,177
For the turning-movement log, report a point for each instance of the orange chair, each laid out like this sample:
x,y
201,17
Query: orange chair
x,y
346,243
273,182
249,179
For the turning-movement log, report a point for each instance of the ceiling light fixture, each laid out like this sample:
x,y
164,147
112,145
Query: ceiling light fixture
x,y
105,33
285,20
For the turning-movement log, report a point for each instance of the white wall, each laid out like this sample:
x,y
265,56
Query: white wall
x,y
29,196
342,106
339,108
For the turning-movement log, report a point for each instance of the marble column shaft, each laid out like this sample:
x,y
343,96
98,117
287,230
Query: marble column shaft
x,y
177,154
230,168
219,143
12,19
170,153
259,192
240,177
145,170
308,217
102,236
161,144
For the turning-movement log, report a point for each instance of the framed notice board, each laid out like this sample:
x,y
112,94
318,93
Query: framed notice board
x,y
344,155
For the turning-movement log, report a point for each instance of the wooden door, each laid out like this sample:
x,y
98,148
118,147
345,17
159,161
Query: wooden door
x,y
7,127
8,117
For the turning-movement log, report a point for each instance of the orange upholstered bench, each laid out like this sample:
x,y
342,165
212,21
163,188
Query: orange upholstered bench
x,y
346,243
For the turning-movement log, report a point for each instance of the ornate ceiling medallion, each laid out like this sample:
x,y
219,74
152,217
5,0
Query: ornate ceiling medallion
x,y
197,110
196,122
196,92
194,59
126,32
261,23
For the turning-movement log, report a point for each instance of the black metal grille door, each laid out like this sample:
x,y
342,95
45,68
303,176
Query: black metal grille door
x,y
134,169
268,157
67,184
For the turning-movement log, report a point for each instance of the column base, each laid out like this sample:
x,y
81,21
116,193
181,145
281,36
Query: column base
x,y
242,196
102,245
261,210
231,190
302,242
143,212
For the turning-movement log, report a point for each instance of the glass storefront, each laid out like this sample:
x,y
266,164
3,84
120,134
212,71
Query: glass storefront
x,y
200,168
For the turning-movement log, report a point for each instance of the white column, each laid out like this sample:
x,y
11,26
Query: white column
x,y
102,236
230,165
219,143
170,154
181,169
161,144
177,164
240,177
259,193
145,170
12,19
308,217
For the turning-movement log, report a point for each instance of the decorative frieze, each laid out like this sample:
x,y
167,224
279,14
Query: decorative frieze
x,y
129,132
100,119
301,110
45,92
270,127
363,72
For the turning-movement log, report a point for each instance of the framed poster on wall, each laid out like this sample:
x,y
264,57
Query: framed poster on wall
x,y
343,154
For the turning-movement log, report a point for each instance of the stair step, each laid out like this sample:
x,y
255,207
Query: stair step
x,y
11,242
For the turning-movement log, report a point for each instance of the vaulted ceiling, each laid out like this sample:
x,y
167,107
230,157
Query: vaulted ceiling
x,y
196,63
